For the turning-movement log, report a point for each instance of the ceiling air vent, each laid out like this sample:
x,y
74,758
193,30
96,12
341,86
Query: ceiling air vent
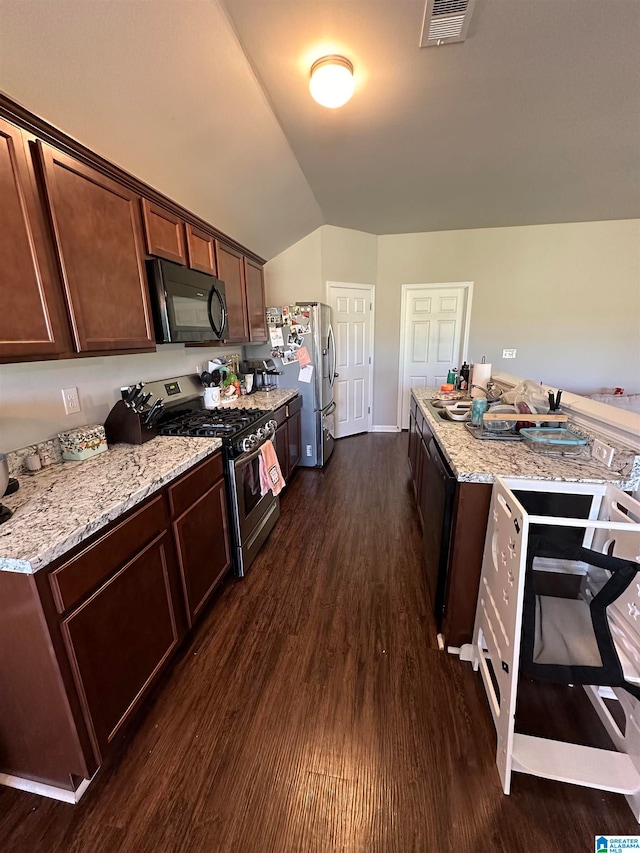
x,y
445,22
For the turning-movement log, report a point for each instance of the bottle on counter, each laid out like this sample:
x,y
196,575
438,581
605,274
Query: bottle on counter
x,y
451,376
464,376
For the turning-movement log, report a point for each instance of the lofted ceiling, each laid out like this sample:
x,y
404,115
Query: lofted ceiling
x,y
535,118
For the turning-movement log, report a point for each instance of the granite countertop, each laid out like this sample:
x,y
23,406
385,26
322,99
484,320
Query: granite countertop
x,y
477,461
266,400
66,503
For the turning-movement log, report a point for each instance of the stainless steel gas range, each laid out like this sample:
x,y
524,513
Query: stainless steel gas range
x,y
242,431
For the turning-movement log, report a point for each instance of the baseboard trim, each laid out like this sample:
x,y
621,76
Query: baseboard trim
x,y
51,791
385,428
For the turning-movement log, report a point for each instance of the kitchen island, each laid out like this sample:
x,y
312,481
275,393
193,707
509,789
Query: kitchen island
x,y
452,473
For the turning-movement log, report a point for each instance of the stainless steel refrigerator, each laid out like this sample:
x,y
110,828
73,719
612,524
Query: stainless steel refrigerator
x,y
314,331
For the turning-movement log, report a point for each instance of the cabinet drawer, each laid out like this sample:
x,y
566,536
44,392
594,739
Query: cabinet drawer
x,y
294,406
194,484
71,582
280,415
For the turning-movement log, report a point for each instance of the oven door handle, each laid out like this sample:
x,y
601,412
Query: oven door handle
x,y
251,455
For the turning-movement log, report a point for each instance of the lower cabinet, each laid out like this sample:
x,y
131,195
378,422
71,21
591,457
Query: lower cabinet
x,y
118,640
204,556
453,516
82,641
288,437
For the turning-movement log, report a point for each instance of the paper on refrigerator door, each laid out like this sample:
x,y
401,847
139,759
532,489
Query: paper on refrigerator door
x,y
303,356
306,373
277,338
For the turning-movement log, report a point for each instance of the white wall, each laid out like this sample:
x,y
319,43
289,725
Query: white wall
x,y
296,273
566,296
31,408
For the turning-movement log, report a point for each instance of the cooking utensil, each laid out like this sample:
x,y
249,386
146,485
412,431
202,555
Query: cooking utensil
x,y
216,377
206,379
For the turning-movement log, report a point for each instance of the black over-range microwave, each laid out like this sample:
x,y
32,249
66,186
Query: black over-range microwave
x,y
188,306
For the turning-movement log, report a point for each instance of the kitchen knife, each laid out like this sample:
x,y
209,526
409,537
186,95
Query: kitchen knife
x,y
143,402
153,412
156,415
128,394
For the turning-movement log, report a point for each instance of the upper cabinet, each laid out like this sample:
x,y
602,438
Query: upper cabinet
x,y
201,250
164,233
231,271
30,322
75,231
96,224
256,308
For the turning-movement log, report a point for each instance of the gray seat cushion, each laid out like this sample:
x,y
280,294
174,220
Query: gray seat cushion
x,y
564,633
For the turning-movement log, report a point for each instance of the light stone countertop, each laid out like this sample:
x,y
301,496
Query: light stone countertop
x,y
265,400
478,461
68,502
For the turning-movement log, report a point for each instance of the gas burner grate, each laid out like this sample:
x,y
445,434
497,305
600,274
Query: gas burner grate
x,y
212,423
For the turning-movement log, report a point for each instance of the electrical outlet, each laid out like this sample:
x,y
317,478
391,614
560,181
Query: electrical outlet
x,y
602,452
309,450
508,353
71,400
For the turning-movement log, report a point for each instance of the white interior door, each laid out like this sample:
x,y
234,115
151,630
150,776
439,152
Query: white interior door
x,y
432,331
352,309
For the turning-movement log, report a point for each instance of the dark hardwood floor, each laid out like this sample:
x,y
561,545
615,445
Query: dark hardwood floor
x,y
313,712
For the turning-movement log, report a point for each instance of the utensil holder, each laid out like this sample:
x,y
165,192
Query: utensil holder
x,y
124,426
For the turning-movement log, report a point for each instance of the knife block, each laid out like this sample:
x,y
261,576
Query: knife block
x,y
124,426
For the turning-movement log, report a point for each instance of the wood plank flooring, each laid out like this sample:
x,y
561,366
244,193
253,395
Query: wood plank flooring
x,y
312,711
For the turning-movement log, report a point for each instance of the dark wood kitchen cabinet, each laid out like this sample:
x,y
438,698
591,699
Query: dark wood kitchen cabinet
x,y
201,249
119,639
231,271
256,307
31,321
97,234
465,516
201,532
83,641
288,437
164,233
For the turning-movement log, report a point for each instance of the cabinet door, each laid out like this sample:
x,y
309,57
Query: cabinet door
x,y
119,638
231,271
414,442
281,441
30,320
295,440
204,555
256,306
201,250
164,233
96,222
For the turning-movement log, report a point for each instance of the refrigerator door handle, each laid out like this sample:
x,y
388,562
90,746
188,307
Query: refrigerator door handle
x,y
331,409
332,344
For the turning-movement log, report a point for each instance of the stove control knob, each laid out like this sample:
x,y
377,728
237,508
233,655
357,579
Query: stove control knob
x,y
252,440
262,433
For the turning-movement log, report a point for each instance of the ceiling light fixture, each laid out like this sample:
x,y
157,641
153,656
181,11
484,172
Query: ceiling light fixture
x,y
331,83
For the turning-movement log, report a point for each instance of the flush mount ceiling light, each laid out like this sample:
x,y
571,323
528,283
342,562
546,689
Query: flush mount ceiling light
x,y
331,83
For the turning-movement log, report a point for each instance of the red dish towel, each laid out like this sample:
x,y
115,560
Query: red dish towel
x,y
270,473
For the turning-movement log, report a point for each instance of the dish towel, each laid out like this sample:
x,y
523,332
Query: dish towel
x,y
270,473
